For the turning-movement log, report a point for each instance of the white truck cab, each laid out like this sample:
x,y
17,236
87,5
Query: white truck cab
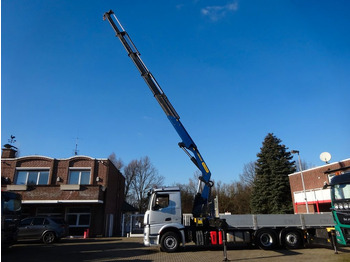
x,y
163,219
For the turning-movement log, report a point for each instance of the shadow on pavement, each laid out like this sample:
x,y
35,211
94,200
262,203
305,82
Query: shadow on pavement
x,y
66,250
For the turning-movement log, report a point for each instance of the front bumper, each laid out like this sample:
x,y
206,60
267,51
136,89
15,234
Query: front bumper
x,y
148,239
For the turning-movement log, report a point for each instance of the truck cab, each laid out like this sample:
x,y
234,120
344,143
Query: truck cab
x,y
340,194
164,215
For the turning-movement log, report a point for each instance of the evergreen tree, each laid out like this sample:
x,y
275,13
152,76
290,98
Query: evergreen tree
x,y
271,190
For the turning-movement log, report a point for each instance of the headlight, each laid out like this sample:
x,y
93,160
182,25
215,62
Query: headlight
x,y
336,206
341,206
346,205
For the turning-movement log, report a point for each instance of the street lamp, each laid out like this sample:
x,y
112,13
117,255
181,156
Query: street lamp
x,y
302,179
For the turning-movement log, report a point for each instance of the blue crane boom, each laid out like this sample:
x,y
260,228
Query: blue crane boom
x,y
187,144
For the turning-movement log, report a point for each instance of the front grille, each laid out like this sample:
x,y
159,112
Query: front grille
x,y
346,234
344,217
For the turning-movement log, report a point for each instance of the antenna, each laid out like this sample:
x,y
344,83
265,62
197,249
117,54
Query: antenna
x,y
76,151
325,157
12,140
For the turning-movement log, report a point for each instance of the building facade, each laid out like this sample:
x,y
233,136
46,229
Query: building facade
x,y
87,192
318,199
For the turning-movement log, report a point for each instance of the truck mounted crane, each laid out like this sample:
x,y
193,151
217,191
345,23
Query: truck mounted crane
x,y
200,207
165,225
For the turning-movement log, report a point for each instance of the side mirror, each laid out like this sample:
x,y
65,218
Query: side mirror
x,y
325,185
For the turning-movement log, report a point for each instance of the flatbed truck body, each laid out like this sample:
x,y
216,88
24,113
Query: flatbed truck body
x,y
302,221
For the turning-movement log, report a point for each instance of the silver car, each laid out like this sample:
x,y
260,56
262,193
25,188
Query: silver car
x,y
46,229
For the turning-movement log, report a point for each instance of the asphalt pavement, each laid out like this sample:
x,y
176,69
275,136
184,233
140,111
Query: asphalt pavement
x,y
132,249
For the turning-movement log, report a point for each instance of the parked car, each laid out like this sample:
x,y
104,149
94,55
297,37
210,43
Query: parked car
x,y
46,229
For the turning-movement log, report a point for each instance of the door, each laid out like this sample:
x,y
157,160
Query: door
x,y
24,228
165,209
32,228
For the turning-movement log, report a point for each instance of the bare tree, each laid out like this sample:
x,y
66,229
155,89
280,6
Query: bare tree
x,y
226,195
188,191
248,175
233,197
304,165
143,176
118,162
129,174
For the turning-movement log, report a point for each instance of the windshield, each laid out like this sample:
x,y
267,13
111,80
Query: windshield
x,y
341,191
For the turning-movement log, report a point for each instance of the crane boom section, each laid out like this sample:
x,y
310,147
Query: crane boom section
x,y
187,142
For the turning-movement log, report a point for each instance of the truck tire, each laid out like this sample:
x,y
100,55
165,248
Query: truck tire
x,y
292,239
49,237
170,242
266,239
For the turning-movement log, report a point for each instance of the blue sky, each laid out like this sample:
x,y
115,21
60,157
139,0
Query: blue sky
x,y
234,71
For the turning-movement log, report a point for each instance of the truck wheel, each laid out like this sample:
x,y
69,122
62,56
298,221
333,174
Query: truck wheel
x,y
169,242
266,239
292,239
49,237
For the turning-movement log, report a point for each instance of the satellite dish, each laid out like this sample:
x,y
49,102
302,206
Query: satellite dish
x,y
325,157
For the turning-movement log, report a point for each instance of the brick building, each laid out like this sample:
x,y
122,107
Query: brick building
x,y
318,199
87,192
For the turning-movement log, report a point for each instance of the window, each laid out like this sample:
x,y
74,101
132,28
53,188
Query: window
x,y
162,201
26,222
342,191
38,221
78,217
32,177
79,177
57,220
50,211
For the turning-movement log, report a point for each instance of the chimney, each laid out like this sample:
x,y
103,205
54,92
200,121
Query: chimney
x,y
9,151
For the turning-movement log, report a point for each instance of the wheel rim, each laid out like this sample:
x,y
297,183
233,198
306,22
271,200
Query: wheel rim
x,y
49,237
291,239
170,242
266,240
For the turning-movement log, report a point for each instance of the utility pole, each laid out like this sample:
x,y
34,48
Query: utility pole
x,y
302,179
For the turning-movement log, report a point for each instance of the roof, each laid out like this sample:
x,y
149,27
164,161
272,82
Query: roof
x,y
318,167
341,179
40,156
59,159
128,208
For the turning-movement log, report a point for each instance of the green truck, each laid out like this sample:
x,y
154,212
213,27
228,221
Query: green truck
x,y
340,195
